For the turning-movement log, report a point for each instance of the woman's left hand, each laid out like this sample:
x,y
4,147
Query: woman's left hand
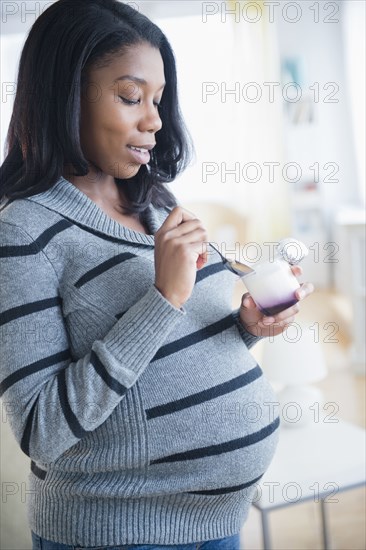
x,y
262,325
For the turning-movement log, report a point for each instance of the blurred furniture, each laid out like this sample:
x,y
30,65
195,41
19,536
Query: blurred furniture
x,y
351,276
295,359
314,462
305,176
308,222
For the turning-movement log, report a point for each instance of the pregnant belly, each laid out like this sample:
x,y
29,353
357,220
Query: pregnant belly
x,y
226,441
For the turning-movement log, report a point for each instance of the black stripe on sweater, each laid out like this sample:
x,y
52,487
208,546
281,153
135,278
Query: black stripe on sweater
x,y
195,337
29,308
104,266
225,447
33,368
205,395
116,386
102,235
209,270
41,474
24,444
71,419
224,490
36,246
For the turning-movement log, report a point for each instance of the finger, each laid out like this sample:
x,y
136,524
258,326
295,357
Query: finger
x,y
201,261
201,249
296,270
177,216
281,324
203,254
186,227
286,313
247,301
280,318
188,213
198,235
304,290
287,321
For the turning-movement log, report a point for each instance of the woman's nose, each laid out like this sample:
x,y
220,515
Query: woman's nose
x,y
150,120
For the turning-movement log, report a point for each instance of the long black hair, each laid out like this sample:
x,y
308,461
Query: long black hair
x,y
68,39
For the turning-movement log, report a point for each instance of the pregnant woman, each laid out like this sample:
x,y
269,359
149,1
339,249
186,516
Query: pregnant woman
x,y
122,361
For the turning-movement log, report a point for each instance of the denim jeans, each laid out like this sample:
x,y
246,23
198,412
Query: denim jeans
x,y
227,543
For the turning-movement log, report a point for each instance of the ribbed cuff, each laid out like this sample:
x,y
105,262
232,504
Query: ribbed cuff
x,y
248,338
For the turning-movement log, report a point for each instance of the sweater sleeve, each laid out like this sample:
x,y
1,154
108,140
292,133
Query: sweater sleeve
x,y
45,394
248,338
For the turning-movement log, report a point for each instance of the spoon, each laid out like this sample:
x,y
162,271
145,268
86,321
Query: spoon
x,y
235,267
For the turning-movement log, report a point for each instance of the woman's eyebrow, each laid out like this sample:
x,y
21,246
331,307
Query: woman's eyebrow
x,y
137,80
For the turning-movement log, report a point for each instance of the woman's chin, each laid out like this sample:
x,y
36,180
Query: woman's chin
x,y
127,172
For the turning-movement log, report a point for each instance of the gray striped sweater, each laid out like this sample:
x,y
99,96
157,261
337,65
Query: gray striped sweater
x,y
144,423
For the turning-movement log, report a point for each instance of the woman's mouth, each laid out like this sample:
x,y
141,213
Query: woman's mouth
x,y
140,154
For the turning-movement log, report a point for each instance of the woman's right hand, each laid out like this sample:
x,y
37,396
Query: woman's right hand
x,y
180,249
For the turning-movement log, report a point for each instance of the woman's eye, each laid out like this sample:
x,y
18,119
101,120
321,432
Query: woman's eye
x,y
129,101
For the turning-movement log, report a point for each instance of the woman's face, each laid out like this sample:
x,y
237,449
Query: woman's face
x,y
119,112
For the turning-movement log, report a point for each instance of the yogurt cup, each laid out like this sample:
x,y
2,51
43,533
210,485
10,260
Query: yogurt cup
x,y
272,284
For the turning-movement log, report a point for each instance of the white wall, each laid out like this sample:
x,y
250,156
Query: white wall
x,y
321,45
354,51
